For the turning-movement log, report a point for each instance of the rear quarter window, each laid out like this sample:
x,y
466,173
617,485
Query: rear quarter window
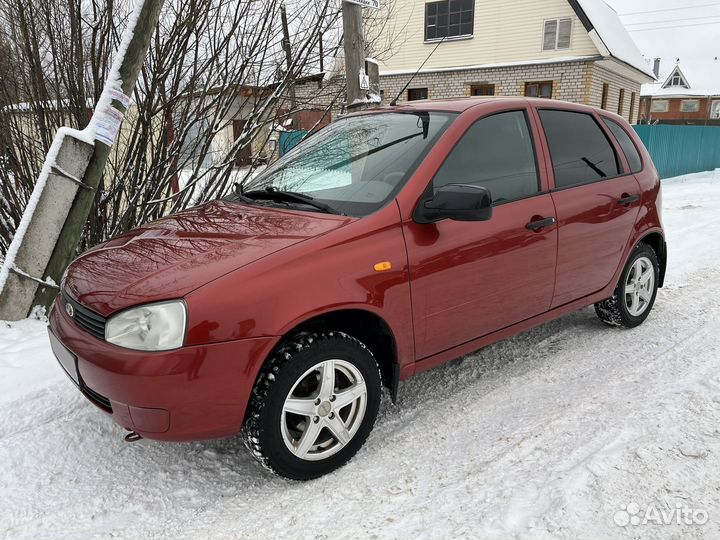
x,y
581,152
627,145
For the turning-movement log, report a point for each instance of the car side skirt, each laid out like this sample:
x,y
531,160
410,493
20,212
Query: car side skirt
x,y
489,339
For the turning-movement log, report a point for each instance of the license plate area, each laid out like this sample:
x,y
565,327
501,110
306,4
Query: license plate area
x,y
67,360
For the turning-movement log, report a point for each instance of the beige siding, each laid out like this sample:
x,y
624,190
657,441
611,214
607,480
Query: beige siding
x,y
510,31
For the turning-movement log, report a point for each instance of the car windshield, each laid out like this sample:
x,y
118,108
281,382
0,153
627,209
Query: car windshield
x,y
355,165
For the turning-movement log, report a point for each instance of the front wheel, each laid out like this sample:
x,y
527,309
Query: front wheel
x,y
313,405
635,294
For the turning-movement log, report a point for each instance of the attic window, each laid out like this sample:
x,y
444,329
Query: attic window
x,y
448,19
676,79
557,34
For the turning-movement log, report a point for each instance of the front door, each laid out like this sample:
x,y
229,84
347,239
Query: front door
x,y
469,279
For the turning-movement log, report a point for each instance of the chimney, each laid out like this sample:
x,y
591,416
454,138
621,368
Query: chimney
x,y
656,68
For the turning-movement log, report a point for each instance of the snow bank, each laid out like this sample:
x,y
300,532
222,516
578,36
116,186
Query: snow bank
x,y
26,361
553,434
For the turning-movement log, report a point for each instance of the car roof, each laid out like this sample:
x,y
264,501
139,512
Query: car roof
x,y
462,104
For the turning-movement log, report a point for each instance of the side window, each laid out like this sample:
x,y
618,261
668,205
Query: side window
x,y
580,151
628,147
496,153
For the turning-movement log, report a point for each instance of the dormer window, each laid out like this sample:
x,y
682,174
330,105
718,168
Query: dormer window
x,y
676,78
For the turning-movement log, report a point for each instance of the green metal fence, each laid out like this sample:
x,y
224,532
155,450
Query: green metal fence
x,y
678,150
290,139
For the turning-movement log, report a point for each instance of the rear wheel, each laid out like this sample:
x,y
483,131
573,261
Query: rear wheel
x,y
313,406
635,294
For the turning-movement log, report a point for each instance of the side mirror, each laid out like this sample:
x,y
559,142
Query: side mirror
x,y
458,202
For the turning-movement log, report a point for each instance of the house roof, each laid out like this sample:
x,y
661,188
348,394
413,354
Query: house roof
x,y
702,76
610,36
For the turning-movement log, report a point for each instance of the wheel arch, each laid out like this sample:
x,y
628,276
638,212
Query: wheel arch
x,y
657,242
362,324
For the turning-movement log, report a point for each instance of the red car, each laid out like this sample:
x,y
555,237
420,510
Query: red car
x,y
386,244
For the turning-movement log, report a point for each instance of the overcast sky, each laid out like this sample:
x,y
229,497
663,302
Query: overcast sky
x,y
692,37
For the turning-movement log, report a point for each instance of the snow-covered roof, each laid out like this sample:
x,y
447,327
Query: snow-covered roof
x,y
702,77
52,105
605,24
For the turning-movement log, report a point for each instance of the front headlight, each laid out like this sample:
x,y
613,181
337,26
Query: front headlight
x,y
155,327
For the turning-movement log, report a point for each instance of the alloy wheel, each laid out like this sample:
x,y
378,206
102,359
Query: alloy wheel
x,y
639,286
324,410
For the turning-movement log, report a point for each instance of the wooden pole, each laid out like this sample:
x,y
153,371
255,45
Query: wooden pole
x,y
354,44
287,46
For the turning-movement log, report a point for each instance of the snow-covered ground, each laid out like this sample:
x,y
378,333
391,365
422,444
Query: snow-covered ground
x,y
561,432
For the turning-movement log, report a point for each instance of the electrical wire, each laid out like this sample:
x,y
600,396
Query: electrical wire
x,y
671,27
674,20
714,4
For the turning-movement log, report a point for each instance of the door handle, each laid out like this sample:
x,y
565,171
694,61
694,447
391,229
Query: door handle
x,y
627,200
538,225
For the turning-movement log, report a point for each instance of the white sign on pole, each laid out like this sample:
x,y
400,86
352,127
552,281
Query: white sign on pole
x,y
373,4
364,81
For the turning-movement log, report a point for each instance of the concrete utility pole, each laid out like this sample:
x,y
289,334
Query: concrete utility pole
x,y
129,71
68,197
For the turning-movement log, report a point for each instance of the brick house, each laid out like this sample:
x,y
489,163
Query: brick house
x,y
573,50
688,94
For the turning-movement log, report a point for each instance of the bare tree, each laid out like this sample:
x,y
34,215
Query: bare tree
x,y
211,63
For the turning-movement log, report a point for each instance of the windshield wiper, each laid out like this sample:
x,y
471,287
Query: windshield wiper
x,y
274,194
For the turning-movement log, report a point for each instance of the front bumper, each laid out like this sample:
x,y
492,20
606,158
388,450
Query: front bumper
x,y
192,393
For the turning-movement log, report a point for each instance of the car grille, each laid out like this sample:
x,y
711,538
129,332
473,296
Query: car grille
x,y
88,320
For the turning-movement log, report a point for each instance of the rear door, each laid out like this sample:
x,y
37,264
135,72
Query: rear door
x,y
596,198
470,279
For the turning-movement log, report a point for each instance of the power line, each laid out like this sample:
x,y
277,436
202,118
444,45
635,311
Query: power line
x,y
675,20
671,26
715,4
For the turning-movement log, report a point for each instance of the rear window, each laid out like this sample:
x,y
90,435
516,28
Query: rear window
x,y
627,145
580,151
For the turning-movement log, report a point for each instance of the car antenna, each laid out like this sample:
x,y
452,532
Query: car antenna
x,y
394,101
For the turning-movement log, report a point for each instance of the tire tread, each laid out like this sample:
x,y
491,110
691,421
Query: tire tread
x,y
251,433
609,311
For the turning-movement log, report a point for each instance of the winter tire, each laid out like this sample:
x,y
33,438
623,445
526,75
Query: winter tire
x,y
313,405
635,294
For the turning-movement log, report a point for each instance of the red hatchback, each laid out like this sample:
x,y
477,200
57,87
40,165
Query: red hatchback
x,y
386,244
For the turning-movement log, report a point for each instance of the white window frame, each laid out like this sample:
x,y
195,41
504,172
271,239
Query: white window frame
x,y
655,103
557,33
715,109
696,102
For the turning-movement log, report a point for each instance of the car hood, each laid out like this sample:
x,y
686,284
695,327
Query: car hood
x,y
171,257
